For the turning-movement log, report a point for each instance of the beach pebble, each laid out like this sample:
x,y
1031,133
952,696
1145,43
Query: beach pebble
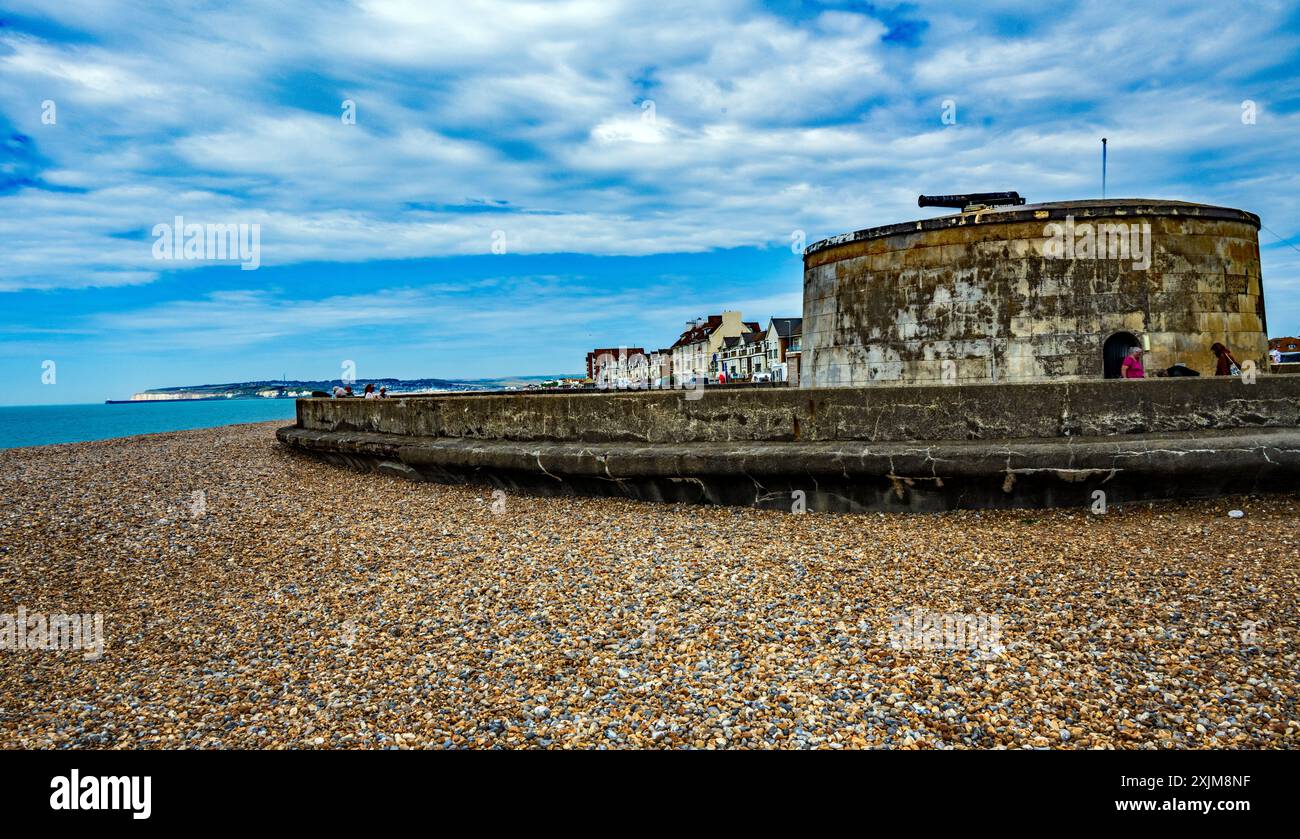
x,y
312,606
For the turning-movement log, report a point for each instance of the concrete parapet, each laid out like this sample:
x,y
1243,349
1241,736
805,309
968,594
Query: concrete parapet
x,y
882,447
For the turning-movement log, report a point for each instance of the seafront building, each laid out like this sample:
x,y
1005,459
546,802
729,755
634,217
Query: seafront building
x,y
784,349
743,356
717,344
661,368
764,355
697,351
618,366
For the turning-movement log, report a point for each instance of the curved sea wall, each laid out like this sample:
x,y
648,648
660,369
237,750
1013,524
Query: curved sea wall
x,y
1034,292
878,448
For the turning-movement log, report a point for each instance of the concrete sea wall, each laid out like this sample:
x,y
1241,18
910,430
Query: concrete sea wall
x,y
883,447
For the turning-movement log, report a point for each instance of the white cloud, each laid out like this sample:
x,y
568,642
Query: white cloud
x,y
761,124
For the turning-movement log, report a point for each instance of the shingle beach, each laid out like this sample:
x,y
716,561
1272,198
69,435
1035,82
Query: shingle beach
x,y
254,598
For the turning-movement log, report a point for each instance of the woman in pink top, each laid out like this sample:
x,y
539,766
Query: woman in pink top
x,y
1132,366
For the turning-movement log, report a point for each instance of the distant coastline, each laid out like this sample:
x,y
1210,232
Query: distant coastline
x,y
296,389
162,398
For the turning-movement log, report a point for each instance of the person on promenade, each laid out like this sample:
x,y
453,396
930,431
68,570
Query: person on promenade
x,y
383,392
370,392
1275,355
1179,369
340,391
1226,364
1131,368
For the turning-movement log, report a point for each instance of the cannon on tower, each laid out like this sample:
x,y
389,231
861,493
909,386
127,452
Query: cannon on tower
x,y
971,200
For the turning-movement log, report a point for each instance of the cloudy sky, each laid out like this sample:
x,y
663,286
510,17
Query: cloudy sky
x,y
523,181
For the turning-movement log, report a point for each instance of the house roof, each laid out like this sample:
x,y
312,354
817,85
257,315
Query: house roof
x,y
753,337
696,334
631,351
785,327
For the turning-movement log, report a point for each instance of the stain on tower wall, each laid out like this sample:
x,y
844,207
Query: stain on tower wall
x,y
984,293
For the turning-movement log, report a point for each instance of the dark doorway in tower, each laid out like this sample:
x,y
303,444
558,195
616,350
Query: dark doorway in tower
x,y
1114,350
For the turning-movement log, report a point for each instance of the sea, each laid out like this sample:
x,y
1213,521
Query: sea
x,y
42,425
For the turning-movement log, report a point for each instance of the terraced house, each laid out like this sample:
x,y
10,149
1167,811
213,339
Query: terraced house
x,y
744,355
698,351
764,355
784,347
617,366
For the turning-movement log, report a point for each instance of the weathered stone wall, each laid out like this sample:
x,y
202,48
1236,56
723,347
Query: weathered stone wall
x,y
885,447
876,414
985,292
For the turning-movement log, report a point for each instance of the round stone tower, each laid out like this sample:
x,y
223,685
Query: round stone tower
x,y
1046,291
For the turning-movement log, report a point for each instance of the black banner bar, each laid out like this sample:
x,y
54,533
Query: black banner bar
x,y
226,789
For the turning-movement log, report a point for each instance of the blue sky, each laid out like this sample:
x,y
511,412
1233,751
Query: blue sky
x,y
638,163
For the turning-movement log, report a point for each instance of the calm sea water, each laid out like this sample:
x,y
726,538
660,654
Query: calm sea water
x,y
40,425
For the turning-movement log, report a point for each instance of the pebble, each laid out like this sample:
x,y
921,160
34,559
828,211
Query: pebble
x,y
309,606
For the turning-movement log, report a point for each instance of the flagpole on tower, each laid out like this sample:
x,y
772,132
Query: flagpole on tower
x,y
1103,167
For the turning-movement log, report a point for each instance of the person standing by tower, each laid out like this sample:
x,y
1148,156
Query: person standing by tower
x,y
1131,367
1226,364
